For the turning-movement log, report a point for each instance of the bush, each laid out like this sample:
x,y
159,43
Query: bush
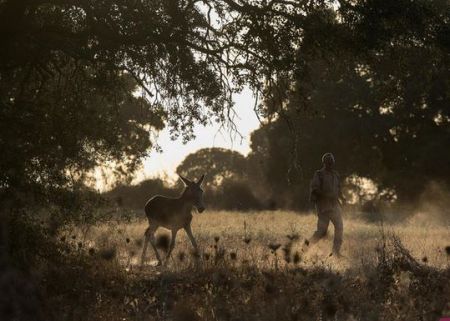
x,y
135,196
237,195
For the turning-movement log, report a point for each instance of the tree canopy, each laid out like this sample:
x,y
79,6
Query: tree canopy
x,y
378,99
84,83
218,164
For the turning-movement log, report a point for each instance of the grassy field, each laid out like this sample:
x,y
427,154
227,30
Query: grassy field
x,y
257,266
248,238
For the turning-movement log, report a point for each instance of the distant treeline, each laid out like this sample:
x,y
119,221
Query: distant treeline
x,y
236,182
227,185
232,195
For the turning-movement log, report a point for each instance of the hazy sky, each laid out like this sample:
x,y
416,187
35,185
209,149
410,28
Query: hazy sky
x,y
174,151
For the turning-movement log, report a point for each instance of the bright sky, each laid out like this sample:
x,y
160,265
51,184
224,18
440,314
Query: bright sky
x,y
174,151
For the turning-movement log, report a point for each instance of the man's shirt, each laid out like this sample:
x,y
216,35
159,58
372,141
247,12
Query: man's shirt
x,y
326,186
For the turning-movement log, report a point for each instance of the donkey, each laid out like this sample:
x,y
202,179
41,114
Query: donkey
x,y
173,214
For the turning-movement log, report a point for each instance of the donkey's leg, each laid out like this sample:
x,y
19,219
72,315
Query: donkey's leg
x,y
152,242
188,230
150,238
172,244
146,240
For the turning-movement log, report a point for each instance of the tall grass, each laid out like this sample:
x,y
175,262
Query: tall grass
x,y
257,266
249,236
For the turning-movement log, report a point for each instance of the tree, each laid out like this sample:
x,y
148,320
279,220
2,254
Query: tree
x,y
136,196
406,58
226,182
218,164
237,195
84,82
373,90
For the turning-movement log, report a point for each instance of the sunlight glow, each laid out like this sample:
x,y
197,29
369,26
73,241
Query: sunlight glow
x,y
163,163
174,151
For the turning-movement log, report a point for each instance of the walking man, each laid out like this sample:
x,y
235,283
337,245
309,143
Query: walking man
x,y
326,194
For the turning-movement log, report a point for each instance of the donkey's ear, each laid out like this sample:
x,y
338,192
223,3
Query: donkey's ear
x,y
200,181
185,180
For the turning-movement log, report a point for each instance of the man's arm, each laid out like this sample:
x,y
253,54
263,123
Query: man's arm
x,y
341,197
315,188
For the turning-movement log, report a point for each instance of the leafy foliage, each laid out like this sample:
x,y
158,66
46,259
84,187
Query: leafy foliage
x,y
135,197
83,83
372,87
218,164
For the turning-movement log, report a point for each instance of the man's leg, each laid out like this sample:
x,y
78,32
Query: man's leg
x,y
322,227
336,219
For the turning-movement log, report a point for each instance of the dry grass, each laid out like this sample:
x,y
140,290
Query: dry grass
x,y
245,274
249,235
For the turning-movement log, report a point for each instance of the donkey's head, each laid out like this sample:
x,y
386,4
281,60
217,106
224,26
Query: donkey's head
x,y
194,192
